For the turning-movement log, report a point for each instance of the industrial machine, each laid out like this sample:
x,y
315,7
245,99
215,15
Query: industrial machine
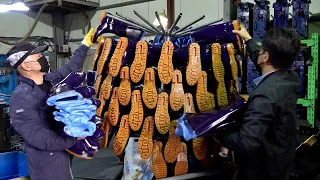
x,y
261,14
281,13
300,16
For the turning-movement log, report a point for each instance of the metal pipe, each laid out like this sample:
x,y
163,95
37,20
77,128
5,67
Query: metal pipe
x,y
128,3
147,29
182,33
125,21
190,24
146,21
161,25
174,24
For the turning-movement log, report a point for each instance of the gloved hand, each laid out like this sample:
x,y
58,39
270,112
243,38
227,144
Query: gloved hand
x,y
88,38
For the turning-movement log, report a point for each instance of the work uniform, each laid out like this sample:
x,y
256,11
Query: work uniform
x,y
32,118
266,141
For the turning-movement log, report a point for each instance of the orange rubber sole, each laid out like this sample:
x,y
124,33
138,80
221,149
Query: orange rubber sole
x,y
236,26
159,166
114,108
162,117
172,147
140,61
165,66
105,128
194,64
79,156
124,92
202,93
116,59
181,167
188,103
122,136
198,145
104,55
177,92
149,92
136,113
234,67
97,85
145,142
106,88
97,54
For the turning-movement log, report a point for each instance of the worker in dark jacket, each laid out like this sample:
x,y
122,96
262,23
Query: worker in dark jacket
x,y
32,118
266,141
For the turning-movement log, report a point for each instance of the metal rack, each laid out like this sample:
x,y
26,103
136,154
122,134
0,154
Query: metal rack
x,y
311,99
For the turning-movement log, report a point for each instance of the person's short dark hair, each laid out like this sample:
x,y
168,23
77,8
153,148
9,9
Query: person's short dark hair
x,y
283,46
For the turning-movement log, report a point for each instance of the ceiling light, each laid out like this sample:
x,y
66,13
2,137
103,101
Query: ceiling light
x,y
13,7
163,19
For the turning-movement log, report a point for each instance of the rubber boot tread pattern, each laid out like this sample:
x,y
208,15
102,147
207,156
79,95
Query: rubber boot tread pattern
x,y
114,108
172,148
202,99
188,103
104,55
145,142
165,66
97,54
122,136
194,64
159,166
116,59
177,92
181,167
198,145
149,92
136,113
124,92
105,128
106,88
162,117
140,62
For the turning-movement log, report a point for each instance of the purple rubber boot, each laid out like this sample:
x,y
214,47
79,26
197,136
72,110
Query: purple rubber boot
x,y
80,150
91,77
86,91
97,120
111,25
72,81
92,142
96,102
221,33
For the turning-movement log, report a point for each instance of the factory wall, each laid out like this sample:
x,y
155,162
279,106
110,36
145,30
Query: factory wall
x,y
17,24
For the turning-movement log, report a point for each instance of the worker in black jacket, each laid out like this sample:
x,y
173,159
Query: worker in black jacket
x,y
266,141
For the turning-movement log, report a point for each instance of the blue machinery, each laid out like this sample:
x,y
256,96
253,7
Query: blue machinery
x,y
8,78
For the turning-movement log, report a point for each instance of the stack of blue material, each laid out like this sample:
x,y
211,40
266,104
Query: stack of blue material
x,y
75,112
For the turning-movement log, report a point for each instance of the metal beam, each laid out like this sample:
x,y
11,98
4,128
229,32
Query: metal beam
x,y
128,3
229,10
170,12
58,39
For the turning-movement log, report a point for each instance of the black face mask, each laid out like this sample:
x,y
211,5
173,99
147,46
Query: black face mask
x,y
44,64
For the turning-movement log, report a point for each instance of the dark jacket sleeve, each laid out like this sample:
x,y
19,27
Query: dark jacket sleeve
x,y
260,114
253,49
75,63
26,121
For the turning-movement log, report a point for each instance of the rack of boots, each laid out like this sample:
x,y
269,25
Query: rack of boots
x,y
75,108
146,88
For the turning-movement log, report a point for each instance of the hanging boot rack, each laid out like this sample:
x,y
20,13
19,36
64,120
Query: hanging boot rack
x,y
152,30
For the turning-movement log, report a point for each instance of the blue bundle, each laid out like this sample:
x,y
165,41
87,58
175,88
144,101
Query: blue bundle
x,y
75,112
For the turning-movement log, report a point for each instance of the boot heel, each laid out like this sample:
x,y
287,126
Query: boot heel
x,y
219,74
194,64
177,92
165,66
188,103
140,62
149,91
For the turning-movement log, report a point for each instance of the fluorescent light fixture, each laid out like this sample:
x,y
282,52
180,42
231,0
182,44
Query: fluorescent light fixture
x,y
163,19
13,7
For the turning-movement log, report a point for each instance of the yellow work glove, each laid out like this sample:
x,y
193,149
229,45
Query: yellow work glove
x,y
88,38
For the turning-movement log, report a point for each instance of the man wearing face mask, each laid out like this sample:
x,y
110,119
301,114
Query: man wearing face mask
x,y
32,118
266,141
